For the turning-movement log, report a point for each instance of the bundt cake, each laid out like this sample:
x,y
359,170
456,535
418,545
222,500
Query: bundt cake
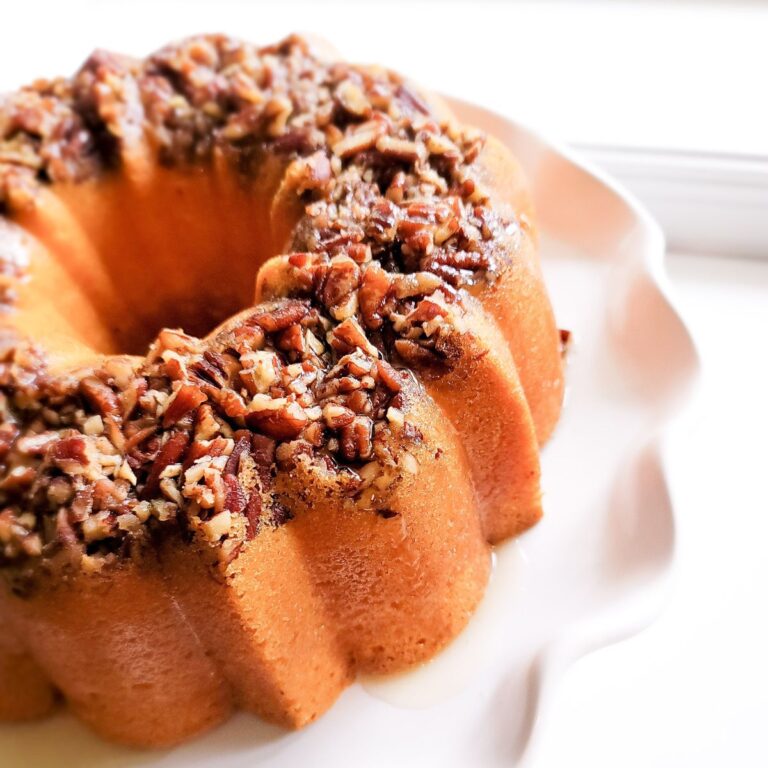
x,y
276,360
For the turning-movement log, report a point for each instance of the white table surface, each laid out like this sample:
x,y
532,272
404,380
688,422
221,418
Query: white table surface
x,y
692,689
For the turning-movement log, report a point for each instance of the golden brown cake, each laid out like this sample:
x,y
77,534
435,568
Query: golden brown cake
x,y
276,360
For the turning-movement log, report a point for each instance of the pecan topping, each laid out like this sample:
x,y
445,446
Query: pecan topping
x,y
394,226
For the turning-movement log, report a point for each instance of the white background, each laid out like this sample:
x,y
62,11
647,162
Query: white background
x,y
666,73
692,689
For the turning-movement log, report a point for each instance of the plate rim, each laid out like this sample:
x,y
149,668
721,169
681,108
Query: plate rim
x,y
556,656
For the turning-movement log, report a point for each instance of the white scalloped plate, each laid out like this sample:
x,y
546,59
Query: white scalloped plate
x,y
593,571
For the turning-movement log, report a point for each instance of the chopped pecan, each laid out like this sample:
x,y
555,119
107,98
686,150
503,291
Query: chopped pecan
x,y
248,338
187,398
285,314
263,454
197,450
421,241
337,416
359,402
68,452
208,371
235,500
400,149
342,279
138,437
448,346
356,439
60,490
382,221
427,310
105,492
284,423
364,136
35,444
130,396
348,336
352,99
177,341
18,479
461,260
229,401
409,97
8,434
100,397
243,445
373,295
451,275
359,253
301,140
396,189
415,355
314,434
65,533
415,284
291,339
309,173
388,376
253,513
172,452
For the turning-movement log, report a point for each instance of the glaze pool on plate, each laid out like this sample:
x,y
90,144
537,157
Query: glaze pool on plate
x,y
594,568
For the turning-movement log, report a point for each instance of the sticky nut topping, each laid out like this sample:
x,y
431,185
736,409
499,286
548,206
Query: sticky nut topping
x,y
193,436
360,143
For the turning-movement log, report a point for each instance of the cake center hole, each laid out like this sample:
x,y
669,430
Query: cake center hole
x,y
180,251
